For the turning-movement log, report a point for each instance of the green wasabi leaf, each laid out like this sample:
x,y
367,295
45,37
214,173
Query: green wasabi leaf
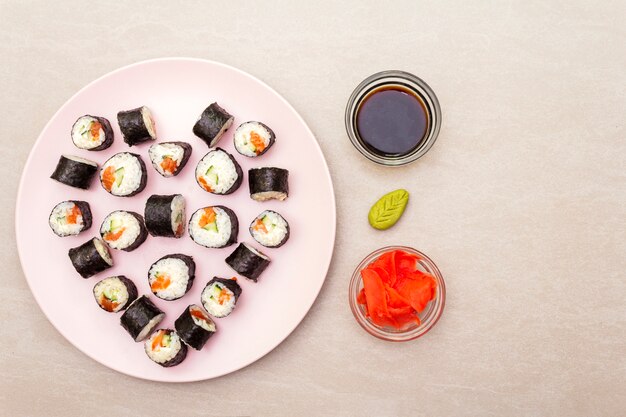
x,y
388,210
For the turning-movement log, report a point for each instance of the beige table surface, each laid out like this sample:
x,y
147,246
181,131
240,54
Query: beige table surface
x,y
521,203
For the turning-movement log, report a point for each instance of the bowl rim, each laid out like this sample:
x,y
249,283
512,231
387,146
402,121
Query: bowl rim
x,y
412,333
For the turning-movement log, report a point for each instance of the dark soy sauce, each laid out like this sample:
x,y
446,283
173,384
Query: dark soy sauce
x,y
392,121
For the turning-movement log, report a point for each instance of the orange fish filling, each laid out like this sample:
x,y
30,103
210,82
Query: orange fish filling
x,y
208,217
72,217
169,165
113,236
257,141
94,131
205,184
107,304
108,177
161,282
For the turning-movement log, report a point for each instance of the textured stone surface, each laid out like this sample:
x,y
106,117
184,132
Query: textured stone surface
x,y
521,203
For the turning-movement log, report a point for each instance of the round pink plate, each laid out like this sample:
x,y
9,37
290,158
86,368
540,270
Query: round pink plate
x,y
177,90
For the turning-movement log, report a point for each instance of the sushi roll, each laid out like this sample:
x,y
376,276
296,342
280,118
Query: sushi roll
x,y
124,174
214,227
270,229
253,139
248,261
268,183
172,276
194,326
141,317
166,348
220,296
212,124
165,215
123,230
91,257
92,133
114,294
218,172
74,171
137,125
69,218
169,158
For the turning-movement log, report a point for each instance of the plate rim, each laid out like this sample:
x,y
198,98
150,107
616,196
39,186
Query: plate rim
x,y
27,164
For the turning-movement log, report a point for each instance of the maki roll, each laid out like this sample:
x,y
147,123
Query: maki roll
x,y
169,158
172,276
137,125
123,230
214,227
74,171
220,296
91,257
218,172
140,318
248,261
212,124
69,218
253,139
270,229
194,326
268,183
92,133
165,215
124,174
165,347
114,294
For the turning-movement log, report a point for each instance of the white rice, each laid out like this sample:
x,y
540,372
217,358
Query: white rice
x,y
148,120
81,160
211,304
256,252
178,214
159,150
132,173
275,225
58,220
81,133
207,324
121,219
211,238
154,322
269,195
225,173
103,250
178,273
163,354
242,139
113,286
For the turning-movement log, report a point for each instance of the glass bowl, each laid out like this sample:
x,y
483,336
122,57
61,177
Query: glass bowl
x,y
386,79
428,317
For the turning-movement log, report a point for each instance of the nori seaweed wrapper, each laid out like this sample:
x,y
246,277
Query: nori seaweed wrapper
x,y
87,260
138,315
192,334
143,232
268,179
209,125
142,182
85,211
131,288
133,127
247,263
178,358
108,132
282,242
231,284
269,144
74,173
191,269
186,155
158,215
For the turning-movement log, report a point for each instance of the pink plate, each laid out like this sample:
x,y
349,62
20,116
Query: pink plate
x,y
177,90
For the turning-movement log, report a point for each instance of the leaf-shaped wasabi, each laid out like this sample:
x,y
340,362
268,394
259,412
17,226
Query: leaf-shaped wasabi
x,y
388,210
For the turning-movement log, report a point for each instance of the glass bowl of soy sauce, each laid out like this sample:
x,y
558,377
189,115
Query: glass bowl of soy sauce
x,y
393,118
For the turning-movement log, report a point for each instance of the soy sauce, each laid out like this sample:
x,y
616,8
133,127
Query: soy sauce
x,y
392,121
